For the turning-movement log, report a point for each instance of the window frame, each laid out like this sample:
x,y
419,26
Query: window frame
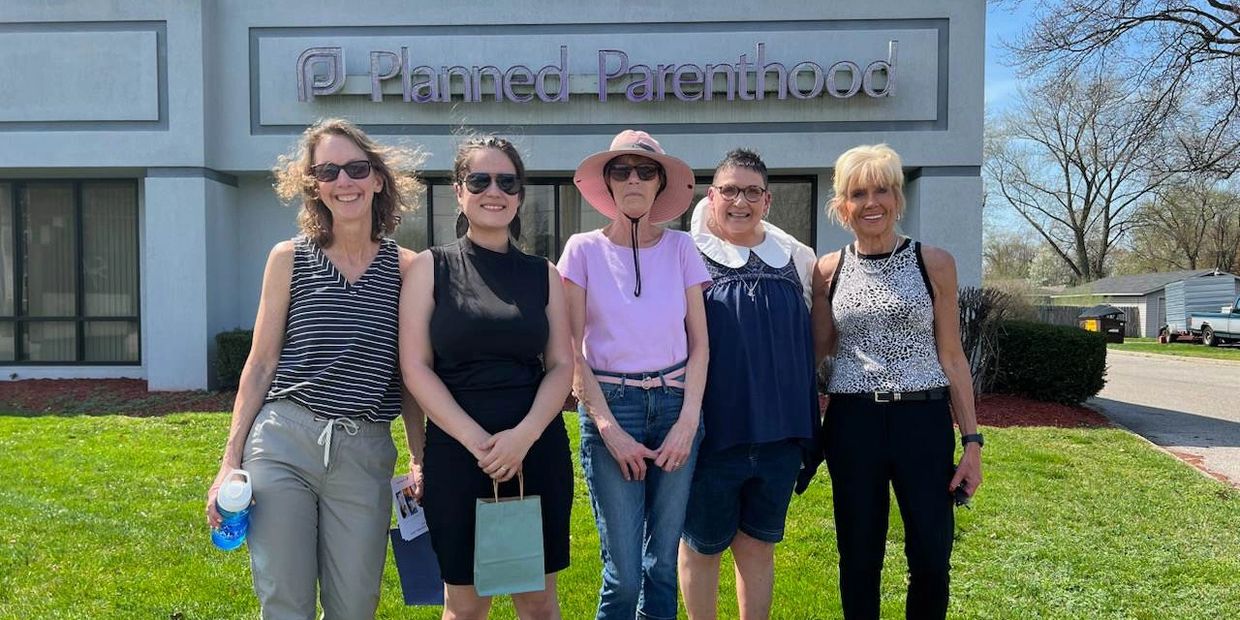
x,y
19,320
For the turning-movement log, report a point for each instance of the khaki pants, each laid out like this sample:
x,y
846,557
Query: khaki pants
x,y
315,525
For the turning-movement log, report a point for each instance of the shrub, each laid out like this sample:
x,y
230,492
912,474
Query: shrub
x,y
231,350
981,312
1050,362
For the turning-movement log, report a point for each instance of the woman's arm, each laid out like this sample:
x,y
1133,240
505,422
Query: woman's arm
x,y
260,365
507,449
417,302
415,438
941,268
822,324
410,413
679,441
628,453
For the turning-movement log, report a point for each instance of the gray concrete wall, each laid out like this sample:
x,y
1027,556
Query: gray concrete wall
x,y
205,93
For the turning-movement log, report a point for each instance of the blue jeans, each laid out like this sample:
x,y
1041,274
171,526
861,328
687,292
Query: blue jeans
x,y
640,521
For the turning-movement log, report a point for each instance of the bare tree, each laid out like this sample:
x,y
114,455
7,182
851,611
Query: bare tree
x,y
1007,256
1073,159
1184,51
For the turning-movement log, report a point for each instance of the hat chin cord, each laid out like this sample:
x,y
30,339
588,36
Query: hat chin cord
x,y
637,264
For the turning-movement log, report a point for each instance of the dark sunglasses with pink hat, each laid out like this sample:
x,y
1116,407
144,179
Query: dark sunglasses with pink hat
x,y
675,194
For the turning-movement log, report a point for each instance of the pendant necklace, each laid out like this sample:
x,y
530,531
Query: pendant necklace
x,y
880,266
751,287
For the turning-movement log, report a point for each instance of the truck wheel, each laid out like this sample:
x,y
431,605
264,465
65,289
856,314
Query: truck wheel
x,y
1208,338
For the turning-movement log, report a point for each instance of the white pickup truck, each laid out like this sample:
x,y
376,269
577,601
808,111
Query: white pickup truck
x,y
1217,328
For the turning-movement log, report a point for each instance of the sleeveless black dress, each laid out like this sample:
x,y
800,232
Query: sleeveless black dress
x,y
488,333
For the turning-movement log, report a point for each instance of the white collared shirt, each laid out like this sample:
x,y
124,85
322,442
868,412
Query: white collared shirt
x,y
776,249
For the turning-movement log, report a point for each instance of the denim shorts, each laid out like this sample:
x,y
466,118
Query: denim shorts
x,y
745,487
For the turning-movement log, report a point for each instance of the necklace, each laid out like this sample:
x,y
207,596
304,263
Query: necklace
x,y
880,264
752,287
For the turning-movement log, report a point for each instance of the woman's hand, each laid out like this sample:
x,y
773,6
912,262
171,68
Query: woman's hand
x,y
414,489
213,515
969,472
505,451
629,454
677,446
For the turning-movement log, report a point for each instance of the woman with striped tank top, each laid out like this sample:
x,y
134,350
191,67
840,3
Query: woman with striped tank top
x,y
311,423
885,307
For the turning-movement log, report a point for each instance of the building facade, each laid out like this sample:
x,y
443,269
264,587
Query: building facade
x,y
136,208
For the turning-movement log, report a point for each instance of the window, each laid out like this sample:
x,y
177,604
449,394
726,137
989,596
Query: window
x,y
69,272
792,206
554,210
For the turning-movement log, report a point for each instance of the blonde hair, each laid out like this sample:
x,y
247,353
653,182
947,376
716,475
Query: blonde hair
x,y
396,167
872,165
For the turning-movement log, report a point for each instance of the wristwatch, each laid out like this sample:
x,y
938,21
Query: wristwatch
x,y
976,438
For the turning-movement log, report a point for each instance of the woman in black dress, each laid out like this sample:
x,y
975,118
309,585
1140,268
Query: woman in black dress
x,y
475,318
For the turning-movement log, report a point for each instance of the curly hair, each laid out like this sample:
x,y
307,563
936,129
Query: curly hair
x,y
396,167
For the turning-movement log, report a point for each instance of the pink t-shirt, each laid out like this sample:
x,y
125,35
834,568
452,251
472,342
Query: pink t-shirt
x,y
624,333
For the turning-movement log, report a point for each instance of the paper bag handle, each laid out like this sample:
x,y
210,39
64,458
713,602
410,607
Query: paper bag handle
x,y
520,483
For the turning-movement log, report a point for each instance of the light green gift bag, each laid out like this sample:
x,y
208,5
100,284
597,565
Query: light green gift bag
x,y
508,544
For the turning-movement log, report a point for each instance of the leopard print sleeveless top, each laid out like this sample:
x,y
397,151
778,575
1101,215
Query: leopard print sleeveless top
x,y
883,307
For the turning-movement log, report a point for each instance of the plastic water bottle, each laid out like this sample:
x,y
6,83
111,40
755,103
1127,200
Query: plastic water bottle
x,y
233,504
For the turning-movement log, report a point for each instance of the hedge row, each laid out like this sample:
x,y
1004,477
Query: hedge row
x,y
231,350
1049,362
1045,362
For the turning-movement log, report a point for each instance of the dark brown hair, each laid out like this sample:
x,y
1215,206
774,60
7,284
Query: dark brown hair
x,y
394,165
460,168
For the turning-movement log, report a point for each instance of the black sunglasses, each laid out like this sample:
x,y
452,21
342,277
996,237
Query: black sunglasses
x,y
327,173
622,172
478,182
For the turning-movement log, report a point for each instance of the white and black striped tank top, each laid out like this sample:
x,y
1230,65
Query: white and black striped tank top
x,y
883,306
339,357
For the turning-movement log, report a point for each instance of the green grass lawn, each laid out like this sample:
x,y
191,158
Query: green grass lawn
x,y
102,518
1178,349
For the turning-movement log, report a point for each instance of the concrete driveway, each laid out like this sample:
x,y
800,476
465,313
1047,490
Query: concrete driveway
x,y
1191,407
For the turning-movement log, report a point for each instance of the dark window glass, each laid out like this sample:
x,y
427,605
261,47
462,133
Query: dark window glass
x,y
7,254
69,253
111,341
109,249
49,341
50,262
412,230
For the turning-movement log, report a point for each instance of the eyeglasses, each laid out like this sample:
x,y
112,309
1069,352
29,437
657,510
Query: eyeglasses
x,y
622,172
478,182
753,193
327,173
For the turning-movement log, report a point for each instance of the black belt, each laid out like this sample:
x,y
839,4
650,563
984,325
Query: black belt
x,y
941,393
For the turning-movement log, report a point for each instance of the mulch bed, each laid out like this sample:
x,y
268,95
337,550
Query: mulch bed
x,y
103,396
130,397
1008,410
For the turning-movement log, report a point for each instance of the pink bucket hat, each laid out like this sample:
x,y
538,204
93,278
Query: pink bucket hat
x,y
674,200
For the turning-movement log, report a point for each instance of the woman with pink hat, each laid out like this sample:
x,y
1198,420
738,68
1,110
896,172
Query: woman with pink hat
x,y
635,303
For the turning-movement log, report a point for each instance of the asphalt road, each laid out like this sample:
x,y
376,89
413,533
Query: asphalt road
x,y
1189,406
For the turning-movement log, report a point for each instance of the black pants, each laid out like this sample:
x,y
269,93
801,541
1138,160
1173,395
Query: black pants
x,y
910,445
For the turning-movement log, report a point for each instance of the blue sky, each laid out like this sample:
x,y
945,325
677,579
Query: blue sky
x,y
1002,86
1001,81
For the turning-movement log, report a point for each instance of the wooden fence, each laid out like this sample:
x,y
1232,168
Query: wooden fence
x,y
1070,315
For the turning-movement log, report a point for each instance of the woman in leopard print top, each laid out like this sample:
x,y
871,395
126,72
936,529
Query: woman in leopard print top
x,y
885,308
